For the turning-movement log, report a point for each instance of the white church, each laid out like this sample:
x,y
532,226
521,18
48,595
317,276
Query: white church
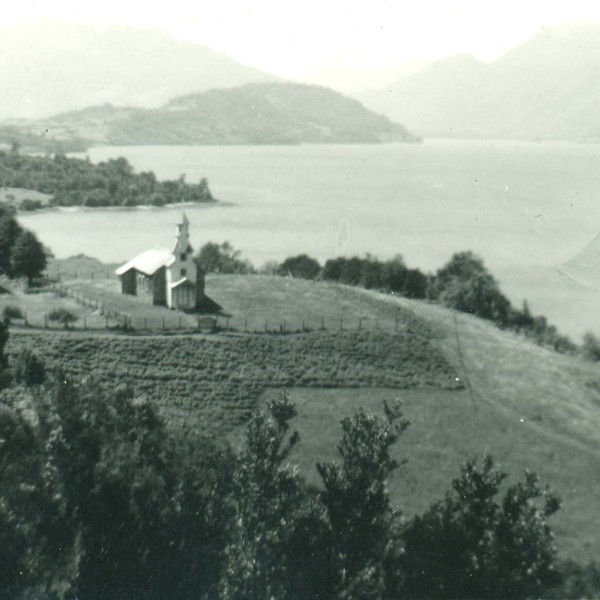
x,y
166,277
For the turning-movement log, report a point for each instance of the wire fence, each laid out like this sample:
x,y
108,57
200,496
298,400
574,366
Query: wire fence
x,y
99,310
98,314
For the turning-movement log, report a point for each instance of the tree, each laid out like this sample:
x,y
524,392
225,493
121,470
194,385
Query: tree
x,y
9,232
364,526
223,258
63,316
266,500
28,257
465,284
393,274
301,266
469,545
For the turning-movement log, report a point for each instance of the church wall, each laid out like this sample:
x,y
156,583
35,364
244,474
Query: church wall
x,y
159,287
128,282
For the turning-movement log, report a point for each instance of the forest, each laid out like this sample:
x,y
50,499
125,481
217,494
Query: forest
x,y
78,182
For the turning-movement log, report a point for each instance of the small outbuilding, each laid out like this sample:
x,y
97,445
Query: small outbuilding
x,y
166,277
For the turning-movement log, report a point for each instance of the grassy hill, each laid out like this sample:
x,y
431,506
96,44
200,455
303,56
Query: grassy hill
x,y
467,387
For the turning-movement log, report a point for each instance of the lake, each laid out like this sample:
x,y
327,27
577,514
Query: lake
x,y
525,207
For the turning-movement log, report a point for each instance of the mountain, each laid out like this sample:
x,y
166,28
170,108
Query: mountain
x,y
52,68
255,113
547,88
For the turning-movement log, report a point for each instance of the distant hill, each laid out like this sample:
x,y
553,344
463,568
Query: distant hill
x,y
51,68
255,113
548,88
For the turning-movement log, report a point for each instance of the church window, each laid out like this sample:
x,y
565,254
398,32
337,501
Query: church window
x,y
183,272
183,257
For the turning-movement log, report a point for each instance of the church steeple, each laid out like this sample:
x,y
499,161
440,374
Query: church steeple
x,y
182,239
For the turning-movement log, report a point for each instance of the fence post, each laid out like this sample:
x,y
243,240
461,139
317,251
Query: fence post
x,y
46,321
106,322
145,323
303,325
360,323
85,321
246,325
179,322
163,323
341,324
227,325
266,329
322,324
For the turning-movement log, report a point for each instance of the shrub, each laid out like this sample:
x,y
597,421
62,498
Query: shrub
x,y
11,312
590,348
63,316
29,368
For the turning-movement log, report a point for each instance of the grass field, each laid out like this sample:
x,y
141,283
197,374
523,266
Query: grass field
x,y
446,429
530,407
15,196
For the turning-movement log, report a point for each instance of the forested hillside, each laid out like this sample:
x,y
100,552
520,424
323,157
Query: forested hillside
x,y
256,113
78,182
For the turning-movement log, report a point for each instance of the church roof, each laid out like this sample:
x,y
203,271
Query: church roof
x,y
148,262
182,281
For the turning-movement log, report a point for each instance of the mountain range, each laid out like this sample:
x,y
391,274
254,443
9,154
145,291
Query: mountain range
x,y
145,86
547,88
69,87
49,69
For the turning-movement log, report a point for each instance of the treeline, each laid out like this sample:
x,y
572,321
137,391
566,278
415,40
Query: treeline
x,y
98,500
78,182
463,283
21,253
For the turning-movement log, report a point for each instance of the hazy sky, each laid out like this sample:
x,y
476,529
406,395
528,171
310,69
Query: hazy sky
x,y
292,38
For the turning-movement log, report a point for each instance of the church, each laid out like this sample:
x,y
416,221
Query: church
x,y
166,277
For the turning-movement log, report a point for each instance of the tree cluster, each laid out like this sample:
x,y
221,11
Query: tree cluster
x,y
21,253
222,258
78,182
98,499
465,284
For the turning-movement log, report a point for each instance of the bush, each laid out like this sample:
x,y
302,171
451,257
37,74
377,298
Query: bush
x,y
590,349
29,368
11,312
63,316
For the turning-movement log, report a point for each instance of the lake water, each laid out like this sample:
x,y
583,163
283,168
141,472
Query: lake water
x,y
524,207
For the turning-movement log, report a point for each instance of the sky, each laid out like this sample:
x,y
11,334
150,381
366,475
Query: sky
x,y
292,39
